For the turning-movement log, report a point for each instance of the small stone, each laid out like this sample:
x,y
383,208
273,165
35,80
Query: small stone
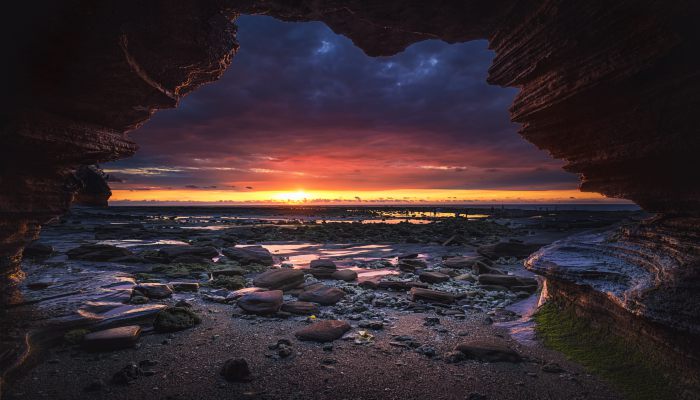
x,y
454,357
433,277
236,370
431,321
371,324
127,374
553,368
426,350
323,331
488,351
324,295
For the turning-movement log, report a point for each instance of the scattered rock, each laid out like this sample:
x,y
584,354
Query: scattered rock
x,y
452,357
185,286
261,303
324,295
112,339
433,277
174,319
154,290
236,370
228,272
249,255
95,386
126,375
401,285
301,308
323,331
426,350
465,262
346,275
432,296
552,368
376,325
431,321
282,279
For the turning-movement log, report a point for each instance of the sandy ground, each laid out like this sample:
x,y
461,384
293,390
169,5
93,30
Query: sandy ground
x,y
189,364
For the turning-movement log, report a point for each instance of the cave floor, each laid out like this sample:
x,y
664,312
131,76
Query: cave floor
x,y
186,364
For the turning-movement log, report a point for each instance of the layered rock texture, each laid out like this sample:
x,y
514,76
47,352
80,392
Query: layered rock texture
x,y
610,87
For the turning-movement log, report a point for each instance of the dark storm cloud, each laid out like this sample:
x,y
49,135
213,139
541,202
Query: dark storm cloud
x,y
301,103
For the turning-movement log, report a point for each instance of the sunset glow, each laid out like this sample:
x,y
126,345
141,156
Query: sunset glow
x,y
404,196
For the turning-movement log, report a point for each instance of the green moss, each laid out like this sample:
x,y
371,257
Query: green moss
x,y
181,270
75,336
634,373
228,282
174,319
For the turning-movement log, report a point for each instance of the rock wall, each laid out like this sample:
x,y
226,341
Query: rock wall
x,y
94,190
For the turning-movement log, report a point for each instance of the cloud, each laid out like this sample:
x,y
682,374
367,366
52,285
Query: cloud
x,y
301,107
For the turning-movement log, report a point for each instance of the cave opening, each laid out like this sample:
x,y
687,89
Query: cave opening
x,y
350,181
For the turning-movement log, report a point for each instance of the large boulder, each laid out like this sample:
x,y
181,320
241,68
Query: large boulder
x,y
321,294
322,268
97,252
346,275
249,255
37,249
283,279
261,303
323,331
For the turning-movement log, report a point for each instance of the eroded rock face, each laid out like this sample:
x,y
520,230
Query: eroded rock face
x,y
644,275
94,189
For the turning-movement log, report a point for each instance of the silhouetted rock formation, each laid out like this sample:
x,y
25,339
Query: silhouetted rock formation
x,y
94,189
611,88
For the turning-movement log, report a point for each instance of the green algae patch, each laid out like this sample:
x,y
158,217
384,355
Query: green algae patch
x,y
175,319
636,374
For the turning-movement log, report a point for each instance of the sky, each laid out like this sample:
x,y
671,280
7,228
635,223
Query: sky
x,y
302,115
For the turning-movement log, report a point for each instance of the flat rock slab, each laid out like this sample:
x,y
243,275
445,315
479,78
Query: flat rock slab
x,y
323,331
432,296
488,351
249,255
506,280
301,308
433,277
324,295
97,252
508,249
112,339
282,279
154,290
262,303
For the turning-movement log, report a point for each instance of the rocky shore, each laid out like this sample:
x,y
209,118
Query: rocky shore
x,y
195,308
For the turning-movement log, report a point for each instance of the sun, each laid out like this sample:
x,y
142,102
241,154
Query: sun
x,y
299,195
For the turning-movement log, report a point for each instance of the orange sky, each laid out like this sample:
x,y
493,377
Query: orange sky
x,y
400,196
